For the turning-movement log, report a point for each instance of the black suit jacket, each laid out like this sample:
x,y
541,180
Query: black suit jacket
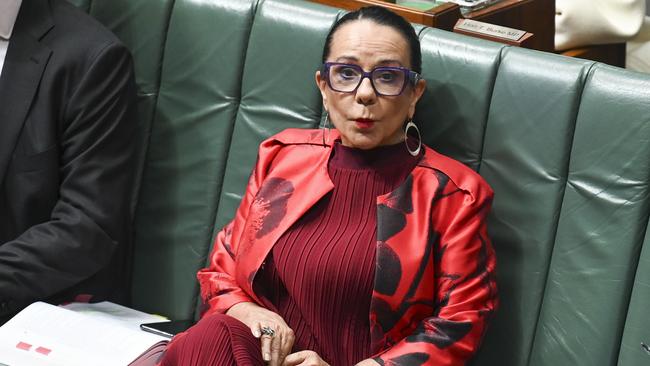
x,y
68,159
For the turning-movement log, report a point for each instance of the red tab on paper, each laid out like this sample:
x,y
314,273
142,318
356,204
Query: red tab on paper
x,y
43,350
24,346
83,298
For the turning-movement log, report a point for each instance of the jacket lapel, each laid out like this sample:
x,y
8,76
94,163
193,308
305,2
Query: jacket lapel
x,y
23,69
308,183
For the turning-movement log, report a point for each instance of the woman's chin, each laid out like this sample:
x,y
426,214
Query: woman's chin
x,y
363,142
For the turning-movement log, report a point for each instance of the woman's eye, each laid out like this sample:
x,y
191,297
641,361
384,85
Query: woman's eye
x,y
348,73
386,76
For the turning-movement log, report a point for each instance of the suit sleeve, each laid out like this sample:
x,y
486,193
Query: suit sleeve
x,y
465,287
93,215
219,289
586,22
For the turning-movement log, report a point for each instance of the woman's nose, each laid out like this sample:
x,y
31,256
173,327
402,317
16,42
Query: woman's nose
x,y
366,93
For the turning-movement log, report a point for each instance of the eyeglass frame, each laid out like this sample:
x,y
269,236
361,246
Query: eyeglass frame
x,y
411,76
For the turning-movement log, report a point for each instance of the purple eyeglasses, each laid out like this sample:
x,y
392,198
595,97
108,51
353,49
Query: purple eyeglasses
x,y
385,80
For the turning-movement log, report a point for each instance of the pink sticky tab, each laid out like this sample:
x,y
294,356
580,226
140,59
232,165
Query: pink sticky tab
x,y
43,350
24,346
83,298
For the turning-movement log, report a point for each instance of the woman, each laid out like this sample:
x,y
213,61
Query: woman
x,y
353,246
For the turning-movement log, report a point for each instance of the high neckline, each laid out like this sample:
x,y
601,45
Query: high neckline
x,y
381,159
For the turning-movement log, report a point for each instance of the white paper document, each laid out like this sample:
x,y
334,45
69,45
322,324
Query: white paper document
x,y
91,334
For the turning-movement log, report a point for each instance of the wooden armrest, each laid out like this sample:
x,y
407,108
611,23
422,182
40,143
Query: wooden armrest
x,y
612,54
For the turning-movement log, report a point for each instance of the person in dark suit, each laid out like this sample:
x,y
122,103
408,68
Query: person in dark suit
x,y
68,157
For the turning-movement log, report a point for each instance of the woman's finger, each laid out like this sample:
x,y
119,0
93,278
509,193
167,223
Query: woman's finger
x,y
257,330
295,358
265,341
304,358
287,342
276,349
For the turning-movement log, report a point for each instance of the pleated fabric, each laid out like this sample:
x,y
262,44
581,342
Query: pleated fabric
x,y
319,276
217,340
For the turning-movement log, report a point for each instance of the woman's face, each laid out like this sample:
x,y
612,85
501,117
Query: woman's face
x,y
365,119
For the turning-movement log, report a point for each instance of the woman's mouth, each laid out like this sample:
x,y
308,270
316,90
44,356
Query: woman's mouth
x,y
364,123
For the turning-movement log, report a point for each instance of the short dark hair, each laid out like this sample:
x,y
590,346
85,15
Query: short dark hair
x,y
385,17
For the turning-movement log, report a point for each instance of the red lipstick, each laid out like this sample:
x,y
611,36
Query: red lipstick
x,y
364,123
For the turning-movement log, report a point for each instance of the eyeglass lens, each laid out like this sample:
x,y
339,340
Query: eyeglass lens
x,y
386,81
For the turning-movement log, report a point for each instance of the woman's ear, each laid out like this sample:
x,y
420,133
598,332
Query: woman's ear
x,y
418,90
322,86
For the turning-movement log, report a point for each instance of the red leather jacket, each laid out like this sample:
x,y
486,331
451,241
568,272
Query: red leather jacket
x,y
434,286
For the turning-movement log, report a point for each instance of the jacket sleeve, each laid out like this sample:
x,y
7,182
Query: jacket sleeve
x,y
465,287
91,219
219,289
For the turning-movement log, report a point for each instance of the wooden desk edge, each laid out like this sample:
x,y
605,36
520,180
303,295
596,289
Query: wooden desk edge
x,y
427,17
495,8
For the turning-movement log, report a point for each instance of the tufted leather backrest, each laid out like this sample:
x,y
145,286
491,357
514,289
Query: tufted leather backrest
x,y
565,143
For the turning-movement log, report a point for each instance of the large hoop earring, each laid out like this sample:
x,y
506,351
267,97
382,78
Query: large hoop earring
x,y
410,124
327,125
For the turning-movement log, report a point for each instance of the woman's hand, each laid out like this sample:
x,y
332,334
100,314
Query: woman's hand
x,y
274,348
304,358
367,362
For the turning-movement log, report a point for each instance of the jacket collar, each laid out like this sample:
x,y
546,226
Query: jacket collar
x,y
23,69
308,184
35,18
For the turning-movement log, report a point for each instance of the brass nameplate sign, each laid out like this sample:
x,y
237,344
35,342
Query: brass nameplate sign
x,y
490,29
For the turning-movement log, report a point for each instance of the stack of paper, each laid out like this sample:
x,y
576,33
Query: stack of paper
x,y
81,334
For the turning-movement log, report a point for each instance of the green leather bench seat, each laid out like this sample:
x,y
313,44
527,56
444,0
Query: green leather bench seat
x,y
565,143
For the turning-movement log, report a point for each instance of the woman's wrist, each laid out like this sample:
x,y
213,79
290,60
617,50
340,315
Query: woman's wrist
x,y
236,310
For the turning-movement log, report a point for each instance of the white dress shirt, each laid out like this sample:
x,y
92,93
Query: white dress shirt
x,y
8,13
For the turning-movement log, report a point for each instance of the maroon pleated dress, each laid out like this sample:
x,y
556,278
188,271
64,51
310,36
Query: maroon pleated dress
x,y
319,276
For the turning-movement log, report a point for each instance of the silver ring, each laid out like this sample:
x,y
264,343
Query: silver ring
x,y
268,331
